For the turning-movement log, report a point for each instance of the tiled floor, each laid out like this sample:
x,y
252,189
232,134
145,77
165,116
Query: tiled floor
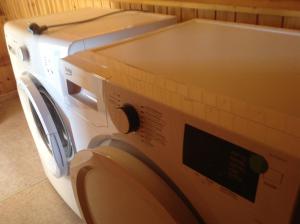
x,y
26,196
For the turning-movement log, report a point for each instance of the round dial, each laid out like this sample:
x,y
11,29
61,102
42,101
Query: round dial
x,y
126,119
22,53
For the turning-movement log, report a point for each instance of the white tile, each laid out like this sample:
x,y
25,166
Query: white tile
x,y
239,108
275,120
256,131
255,113
209,99
224,103
171,86
293,126
240,125
199,110
283,141
212,114
226,120
182,89
196,94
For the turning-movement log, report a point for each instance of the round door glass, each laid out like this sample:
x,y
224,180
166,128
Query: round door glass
x,y
58,122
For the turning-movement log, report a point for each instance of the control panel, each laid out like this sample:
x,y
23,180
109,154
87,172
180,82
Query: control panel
x,y
228,164
144,121
224,175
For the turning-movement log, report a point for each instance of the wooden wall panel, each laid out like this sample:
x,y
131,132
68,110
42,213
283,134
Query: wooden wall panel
x,y
188,13
176,11
105,3
148,8
136,6
225,16
207,14
291,22
270,20
115,5
3,52
277,13
161,9
7,81
246,18
273,4
239,11
125,5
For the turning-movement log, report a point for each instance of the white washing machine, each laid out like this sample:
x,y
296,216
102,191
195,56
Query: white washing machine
x,y
58,131
208,130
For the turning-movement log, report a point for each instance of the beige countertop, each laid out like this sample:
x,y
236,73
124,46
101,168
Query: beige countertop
x,y
211,70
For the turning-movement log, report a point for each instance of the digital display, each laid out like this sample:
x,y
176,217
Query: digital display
x,y
229,165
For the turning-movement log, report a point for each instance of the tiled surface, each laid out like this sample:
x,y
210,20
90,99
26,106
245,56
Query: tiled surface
x,y
38,204
20,165
25,194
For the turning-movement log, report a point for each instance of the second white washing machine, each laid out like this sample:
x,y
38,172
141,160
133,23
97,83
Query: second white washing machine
x,y
35,46
207,128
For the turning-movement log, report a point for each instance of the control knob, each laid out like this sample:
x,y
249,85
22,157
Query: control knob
x,y
126,119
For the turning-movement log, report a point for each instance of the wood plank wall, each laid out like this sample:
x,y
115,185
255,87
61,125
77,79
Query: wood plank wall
x,y
184,10
279,13
7,81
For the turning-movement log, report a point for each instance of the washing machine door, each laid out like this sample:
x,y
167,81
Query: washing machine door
x,y
111,186
45,115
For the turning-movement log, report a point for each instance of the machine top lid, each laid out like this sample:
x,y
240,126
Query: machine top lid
x,y
116,22
255,65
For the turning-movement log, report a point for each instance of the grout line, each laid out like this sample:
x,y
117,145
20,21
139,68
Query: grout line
x,y
21,191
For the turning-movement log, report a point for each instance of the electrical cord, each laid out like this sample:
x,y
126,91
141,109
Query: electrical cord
x,y
36,29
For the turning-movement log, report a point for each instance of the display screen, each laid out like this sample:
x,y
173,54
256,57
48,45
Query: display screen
x,y
229,165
